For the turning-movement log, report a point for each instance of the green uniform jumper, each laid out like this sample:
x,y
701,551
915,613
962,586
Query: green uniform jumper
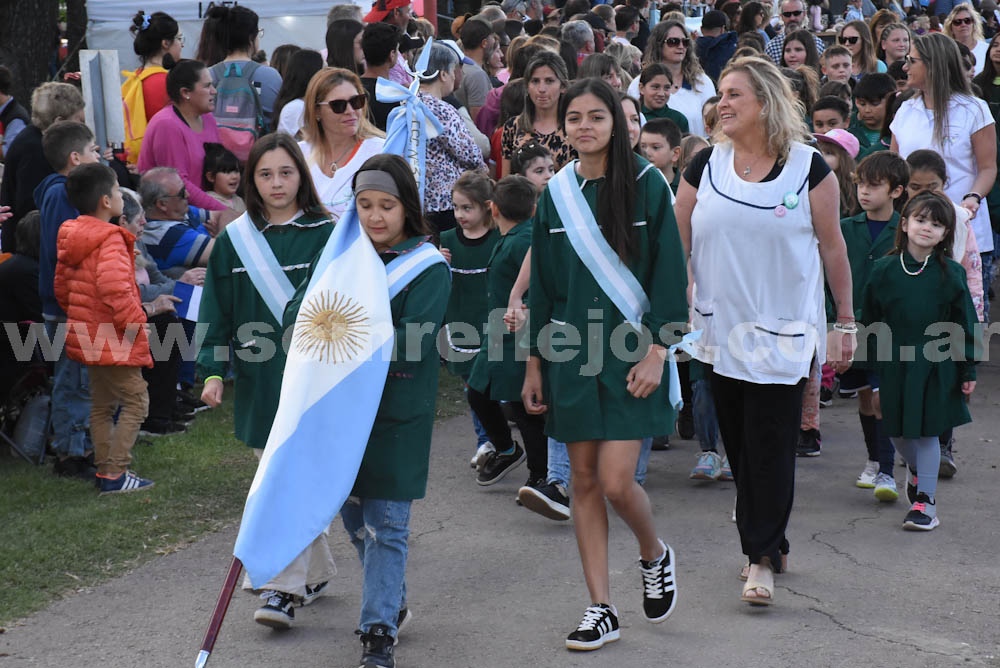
x,y
666,112
586,392
235,313
467,305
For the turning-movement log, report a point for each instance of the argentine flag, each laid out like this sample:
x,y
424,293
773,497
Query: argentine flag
x,y
337,364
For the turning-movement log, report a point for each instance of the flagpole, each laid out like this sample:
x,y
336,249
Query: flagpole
x,y
225,596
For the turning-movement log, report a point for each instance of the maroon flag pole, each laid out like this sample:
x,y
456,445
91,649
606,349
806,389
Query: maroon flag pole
x,y
225,596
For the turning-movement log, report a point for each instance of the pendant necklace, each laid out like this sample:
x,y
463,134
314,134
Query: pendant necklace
x,y
902,263
334,166
746,172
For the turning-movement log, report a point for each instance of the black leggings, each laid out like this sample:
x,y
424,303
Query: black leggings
x,y
532,428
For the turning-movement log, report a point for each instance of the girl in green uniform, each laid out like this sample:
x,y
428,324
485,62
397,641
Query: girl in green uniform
x,y
924,382
603,402
286,220
468,248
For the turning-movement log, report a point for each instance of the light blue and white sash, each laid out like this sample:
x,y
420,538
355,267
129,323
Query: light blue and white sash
x,y
614,278
404,268
262,266
685,345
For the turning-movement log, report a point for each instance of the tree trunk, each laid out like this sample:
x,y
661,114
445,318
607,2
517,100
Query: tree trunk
x,y
76,31
28,41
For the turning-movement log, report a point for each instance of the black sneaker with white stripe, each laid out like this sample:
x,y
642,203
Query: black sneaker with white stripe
x,y
278,610
598,627
659,588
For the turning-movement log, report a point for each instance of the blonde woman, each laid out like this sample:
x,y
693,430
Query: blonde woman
x,y
761,197
338,135
671,44
965,26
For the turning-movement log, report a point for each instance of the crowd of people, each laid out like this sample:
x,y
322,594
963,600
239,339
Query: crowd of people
x,y
650,230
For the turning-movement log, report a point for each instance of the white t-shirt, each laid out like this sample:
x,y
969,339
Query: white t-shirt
x,y
335,192
913,129
980,52
686,101
291,119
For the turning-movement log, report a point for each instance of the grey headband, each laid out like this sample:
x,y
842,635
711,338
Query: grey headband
x,y
376,179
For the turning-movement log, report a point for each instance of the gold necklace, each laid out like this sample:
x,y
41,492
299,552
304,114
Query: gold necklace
x,y
333,165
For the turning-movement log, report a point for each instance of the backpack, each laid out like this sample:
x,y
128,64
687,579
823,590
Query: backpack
x,y
134,108
238,112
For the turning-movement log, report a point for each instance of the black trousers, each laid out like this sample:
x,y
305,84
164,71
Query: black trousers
x,y
162,377
532,428
759,425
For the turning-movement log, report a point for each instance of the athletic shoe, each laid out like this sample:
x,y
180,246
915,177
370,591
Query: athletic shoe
x,y
709,467
532,481
825,397
598,627
810,442
885,488
278,610
479,458
659,586
948,468
548,499
867,478
376,648
726,474
845,394
922,515
911,487
497,465
161,427
685,422
661,443
123,484
314,592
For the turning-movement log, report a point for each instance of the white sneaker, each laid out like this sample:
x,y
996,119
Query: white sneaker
x,y
867,478
481,454
885,488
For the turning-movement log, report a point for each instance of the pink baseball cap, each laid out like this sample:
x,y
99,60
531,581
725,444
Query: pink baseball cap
x,y
843,139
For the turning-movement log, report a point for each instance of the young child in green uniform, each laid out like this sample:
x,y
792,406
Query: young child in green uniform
x,y
655,81
468,248
872,95
597,400
498,371
285,220
924,386
660,143
881,181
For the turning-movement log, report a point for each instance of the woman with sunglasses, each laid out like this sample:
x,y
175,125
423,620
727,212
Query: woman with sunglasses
x,y
338,135
857,38
670,44
965,26
945,116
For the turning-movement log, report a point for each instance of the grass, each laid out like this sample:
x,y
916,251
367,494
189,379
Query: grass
x,y
59,536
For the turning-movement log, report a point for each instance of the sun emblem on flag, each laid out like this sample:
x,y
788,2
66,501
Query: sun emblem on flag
x,y
331,328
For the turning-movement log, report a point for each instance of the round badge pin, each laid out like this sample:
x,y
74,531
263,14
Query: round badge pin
x,y
791,200
780,211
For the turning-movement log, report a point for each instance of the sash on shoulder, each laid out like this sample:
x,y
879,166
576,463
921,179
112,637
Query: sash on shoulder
x,y
614,278
262,266
404,268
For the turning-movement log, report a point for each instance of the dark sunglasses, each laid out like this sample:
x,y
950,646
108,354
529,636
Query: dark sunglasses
x,y
677,41
340,106
181,194
967,21
849,40
795,12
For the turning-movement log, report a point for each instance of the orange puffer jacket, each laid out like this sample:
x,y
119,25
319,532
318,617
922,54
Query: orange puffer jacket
x,y
95,285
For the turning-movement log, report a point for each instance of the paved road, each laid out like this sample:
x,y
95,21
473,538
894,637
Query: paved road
x,y
493,585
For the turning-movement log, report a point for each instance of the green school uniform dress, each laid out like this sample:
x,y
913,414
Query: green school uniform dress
x,y
498,370
920,397
395,463
586,391
468,303
235,313
869,141
666,112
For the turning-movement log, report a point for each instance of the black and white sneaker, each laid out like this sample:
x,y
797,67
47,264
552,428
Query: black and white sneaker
x,y
659,588
598,627
922,515
548,499
278,610
498,465
313,592
376,648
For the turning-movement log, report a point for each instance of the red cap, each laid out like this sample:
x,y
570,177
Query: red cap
x,y
381,9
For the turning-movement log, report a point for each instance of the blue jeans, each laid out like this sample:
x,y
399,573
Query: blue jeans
x,y
379,530
559,462
706,425
70,404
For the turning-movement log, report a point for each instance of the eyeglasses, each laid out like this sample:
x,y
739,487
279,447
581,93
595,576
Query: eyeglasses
x,y
675,42
909,60
340,106
967,21
793,13
181,194
849,40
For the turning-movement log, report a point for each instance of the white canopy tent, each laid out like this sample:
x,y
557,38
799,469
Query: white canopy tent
x,y
301,22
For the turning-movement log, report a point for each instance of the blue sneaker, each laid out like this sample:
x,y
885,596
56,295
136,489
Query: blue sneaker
x,y
126,482
709,466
